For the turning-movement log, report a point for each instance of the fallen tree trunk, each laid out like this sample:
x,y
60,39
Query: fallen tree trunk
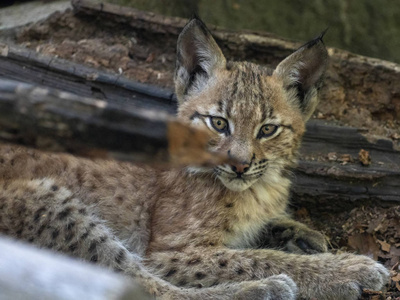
x,y
52,120
28,66
330,168
317,179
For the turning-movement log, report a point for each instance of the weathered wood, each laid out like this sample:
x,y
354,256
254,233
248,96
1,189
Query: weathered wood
x,y
30,114
20,64
48,119
326,183
30,273
317,178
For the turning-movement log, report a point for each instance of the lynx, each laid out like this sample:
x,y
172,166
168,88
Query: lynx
x,y
198,232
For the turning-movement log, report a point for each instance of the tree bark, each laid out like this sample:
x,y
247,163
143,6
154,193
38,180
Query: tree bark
x,y
53,120
317,179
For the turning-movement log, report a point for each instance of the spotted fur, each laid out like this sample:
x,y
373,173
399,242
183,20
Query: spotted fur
x,y
196,233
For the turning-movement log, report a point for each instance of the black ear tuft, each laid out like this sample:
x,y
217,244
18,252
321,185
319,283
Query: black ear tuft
x,y
198,56
316,40
302,73
322,34
195,16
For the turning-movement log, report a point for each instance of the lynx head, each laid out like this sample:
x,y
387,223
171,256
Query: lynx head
x,y
255,115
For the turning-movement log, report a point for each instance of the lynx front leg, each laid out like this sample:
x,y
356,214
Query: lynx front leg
x,y
291,236
48,215
321,276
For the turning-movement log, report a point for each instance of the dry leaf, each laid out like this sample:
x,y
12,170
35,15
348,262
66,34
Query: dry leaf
x,y
364,157
384,246
396,278
364,243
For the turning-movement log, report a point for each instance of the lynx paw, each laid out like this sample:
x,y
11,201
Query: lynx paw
x,y
368,274
307,242
301,240
279,287
355,274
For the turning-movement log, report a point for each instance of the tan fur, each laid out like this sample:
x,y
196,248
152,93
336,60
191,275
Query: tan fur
x,y
195,227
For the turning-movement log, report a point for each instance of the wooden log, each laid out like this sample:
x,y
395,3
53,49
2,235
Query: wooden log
x,y
52,120
30,273
339,187
317,178
20,64
320,177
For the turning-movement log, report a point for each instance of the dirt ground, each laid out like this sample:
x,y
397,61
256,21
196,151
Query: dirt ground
x,y
371,230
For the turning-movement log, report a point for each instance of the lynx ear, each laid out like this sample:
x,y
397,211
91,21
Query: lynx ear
x,y
302,74
198,56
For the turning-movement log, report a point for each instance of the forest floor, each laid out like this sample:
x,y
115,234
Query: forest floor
x,y
373,230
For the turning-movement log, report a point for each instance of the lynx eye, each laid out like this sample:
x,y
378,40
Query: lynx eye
x,y
267,130
219,124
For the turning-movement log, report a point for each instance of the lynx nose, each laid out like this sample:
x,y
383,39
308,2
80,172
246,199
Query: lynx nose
x,y
240,168
241,165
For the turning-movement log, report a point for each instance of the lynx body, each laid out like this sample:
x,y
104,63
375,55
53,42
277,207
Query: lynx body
x,y
196,233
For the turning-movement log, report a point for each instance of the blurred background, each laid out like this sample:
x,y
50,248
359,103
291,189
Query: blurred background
x,y
367,27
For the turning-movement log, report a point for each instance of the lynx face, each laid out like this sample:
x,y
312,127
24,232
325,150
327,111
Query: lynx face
x,y
253,114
